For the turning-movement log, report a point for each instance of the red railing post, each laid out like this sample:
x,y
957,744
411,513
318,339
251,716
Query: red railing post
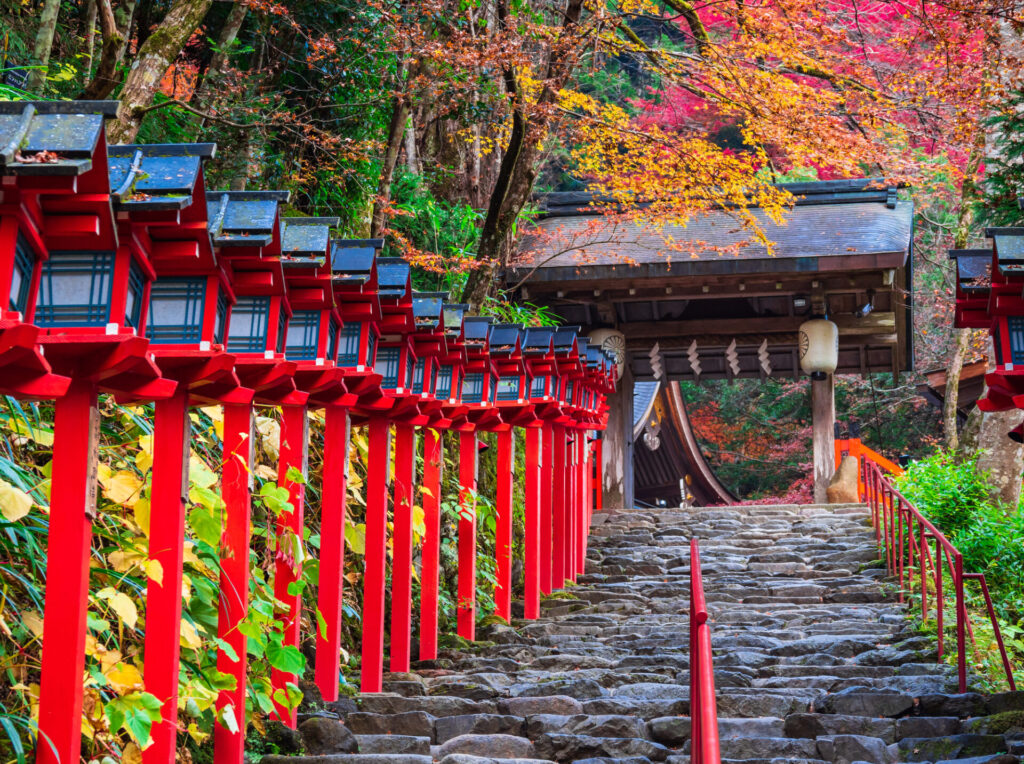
x,y
704,743
547,493
236,484
532,531
899,561
72,508
466,612
961,620
939,603
332,550
503,525
401,561
162,650
433,467
371,677
558,509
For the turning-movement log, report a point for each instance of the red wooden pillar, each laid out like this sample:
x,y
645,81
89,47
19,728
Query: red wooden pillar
x,y
532,551
503,525
401,563
372,668
72,507
332,550
547,492
162,653
294,448
583,502
433,466
466,613
573,504
559,491
236,477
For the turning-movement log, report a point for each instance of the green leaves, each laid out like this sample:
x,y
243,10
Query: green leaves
x,y
135,713
286,658
276,498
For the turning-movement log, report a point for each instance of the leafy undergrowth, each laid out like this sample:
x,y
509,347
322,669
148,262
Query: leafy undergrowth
x,y
119,712
990,536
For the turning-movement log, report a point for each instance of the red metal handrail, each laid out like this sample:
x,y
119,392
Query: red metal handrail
x,y
904,533
704,747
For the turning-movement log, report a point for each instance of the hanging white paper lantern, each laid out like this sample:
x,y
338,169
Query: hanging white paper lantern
x,y
614,341
819,347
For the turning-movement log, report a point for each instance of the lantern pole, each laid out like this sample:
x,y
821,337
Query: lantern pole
x,y
558,509
162,650
401,564
532,534
236,485
571,505
379,456
583,499
823,419
433,467
503,524
72,508
466,612
547,494
337,430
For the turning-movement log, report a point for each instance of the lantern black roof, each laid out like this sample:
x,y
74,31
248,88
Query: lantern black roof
x,y
69,129
503,338
352,259
582,344
393,275
538,340
564,336
304,241
454,314
476,329
595,356
156,176
427,308
243,218
1009,244
973,267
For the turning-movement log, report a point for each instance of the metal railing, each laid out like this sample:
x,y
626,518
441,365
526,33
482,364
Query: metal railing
x,y
704,747
907,538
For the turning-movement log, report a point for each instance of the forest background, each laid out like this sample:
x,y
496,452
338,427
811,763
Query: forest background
x,y
432,123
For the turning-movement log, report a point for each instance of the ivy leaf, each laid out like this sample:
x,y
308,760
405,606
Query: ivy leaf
x,y
295,475
286,658
121,604
321,623
227,649
276,498
199,474
14,502
226,718
355,537
206,523
289,697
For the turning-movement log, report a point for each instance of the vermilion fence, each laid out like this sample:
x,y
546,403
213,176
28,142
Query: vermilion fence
x,y
917,553
704,746
201,297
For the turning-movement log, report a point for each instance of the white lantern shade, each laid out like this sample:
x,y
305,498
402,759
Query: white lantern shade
x,y
613,341
819,347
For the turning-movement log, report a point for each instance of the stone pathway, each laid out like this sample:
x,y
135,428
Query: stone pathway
x,y
814,661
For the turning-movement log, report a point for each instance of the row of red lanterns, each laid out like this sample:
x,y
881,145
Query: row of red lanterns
x,y
125,275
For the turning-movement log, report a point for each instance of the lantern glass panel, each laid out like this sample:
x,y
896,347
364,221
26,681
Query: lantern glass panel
x,y
417,375
508,388
348,353
222,317
371,348
1016,325
176,310
570,388
387,365
133,299
21,277
332,340
443,385
303,335
75,289
473,387
247,331
538,387
282,329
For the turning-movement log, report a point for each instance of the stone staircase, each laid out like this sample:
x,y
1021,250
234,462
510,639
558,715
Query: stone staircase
x,y
815,661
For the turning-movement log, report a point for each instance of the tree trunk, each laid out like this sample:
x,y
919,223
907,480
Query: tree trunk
x,y
228,35
951,402
396,135
159,50
115,44
43,44
999,457
90,38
